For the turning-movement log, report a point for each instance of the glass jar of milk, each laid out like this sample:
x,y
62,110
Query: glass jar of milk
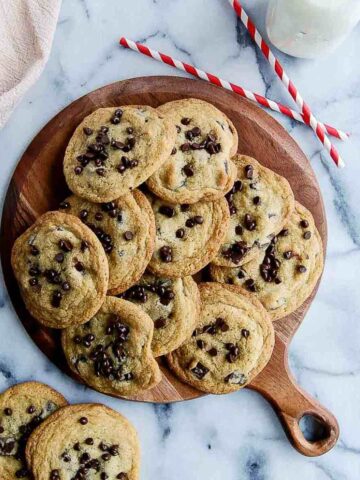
x,y
310,28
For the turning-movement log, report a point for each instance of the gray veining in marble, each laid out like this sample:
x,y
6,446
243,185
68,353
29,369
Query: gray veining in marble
x,y
235,437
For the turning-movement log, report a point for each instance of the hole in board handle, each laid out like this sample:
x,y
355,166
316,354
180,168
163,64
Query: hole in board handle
x,y
313,428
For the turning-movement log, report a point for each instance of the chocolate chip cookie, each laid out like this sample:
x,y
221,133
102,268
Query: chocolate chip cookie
x,y
260,203
126,229
286,273
231,344
114,150
62,270
172,304
199,167
112,352
82,442
22,409
187,236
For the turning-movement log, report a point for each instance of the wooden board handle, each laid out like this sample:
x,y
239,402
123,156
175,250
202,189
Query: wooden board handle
x,y
291,404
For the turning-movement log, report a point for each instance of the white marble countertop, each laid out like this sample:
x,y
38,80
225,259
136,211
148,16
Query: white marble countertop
x,y
235,437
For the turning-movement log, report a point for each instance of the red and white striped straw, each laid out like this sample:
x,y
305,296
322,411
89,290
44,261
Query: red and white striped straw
x,y
278,68
255,97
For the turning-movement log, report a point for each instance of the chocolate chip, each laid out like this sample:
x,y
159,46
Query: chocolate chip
x,y
245,333
233,353
304,223
213,148
173,151
83,420
241,274
59,257
301,268
130,130
2,429
22,473
190,223
33,281
64,205
134,163
287,255
34,250
66,458
200,371
78,170
200,344
79,266
77,339
84,245
236,378
89,441
167,211
66,245
56,299
85,457
250,285
178,129
31,409
114,450
220,324
99,216
212,352
117,145
257,200
88,131
104,476
185,147
198,219
238,186
180,232
239,230
83,214
160,323
52,276
284,232
128,235
76,447
8,412
249,222
115,120
54,475
106,456
122,476
121,168
65,286
165,253
34,271
189,172
185,121
185,207
249,171
100,172
232,209
307,235
235,252
166,296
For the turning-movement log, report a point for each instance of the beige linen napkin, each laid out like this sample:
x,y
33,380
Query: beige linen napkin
x,y
26,32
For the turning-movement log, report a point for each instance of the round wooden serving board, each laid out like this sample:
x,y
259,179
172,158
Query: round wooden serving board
x,y
38,185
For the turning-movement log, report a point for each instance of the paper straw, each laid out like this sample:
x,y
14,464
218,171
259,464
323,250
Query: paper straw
x,y
309,118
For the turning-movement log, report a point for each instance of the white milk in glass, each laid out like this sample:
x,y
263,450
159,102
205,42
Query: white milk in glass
x,y
310,28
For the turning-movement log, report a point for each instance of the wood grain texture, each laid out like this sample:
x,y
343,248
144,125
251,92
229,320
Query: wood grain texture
x,y
38,185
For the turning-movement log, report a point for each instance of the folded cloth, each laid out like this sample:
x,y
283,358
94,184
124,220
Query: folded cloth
x,y
26,32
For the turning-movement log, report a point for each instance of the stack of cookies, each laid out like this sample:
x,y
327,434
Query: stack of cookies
x,y
159,195
44,438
